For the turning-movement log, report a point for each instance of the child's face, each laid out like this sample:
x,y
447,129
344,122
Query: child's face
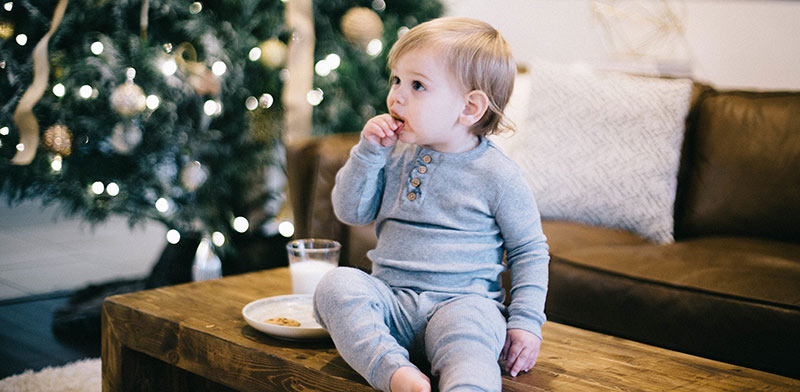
x,y
428,99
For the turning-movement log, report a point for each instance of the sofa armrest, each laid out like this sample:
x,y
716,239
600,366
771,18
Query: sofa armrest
x,y
312,165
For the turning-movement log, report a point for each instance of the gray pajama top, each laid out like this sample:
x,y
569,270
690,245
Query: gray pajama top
x,y
444,220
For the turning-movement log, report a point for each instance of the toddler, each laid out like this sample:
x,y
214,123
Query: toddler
x,y
447,204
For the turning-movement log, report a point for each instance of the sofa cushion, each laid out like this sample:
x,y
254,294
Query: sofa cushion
x,y
731,299
743,160
751,269
736,330
563,236
601,148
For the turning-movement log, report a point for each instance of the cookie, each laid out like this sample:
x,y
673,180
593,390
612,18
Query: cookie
x,y
286,322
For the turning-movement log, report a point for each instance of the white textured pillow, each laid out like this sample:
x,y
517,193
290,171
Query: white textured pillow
x,y
601,148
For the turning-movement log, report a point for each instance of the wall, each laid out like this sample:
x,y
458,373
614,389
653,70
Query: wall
x,y
729,43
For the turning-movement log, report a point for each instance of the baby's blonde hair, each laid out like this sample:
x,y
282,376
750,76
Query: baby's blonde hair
x,y
477,54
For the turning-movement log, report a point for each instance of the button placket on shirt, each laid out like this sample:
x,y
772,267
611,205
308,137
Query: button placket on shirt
x,y
417,175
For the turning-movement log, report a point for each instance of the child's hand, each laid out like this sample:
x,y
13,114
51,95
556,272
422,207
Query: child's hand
x,y
382,130
520,351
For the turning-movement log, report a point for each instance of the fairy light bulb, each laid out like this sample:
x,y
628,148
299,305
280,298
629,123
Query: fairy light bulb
x,y
314,97
56,164
97,48
254,54
374,47
173,236
152,102
251,103
4,131
59,90
286,229
212,107
162,205
112,189
169,67
98,187
333,60
218,238
85,91
219,68
322,68
241,224
22,39
266,101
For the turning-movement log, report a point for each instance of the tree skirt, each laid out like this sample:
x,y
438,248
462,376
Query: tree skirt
x,y
79,376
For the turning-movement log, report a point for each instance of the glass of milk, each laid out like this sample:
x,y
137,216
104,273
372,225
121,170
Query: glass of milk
x,y
309,260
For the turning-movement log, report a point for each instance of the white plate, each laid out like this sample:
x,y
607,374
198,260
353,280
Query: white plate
x,y
294,306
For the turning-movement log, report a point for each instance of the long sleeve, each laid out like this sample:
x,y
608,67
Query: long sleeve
x,y
526,256
359,184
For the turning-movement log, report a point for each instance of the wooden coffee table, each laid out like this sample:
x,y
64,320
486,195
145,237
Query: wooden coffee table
x,y
193,337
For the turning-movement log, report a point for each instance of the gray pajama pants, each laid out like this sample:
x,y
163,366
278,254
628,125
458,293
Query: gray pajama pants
x,y
378,329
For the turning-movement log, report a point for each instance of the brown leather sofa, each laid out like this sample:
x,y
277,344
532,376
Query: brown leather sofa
x,y
727,289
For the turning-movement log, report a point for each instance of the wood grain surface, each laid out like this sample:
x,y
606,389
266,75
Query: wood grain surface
x,y
193,337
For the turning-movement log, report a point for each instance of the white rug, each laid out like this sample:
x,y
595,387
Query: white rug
x,y
79,376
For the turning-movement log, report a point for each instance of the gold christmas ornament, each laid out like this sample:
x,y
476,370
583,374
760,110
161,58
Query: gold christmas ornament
x,y
58,138
6,29
361,25
273,53
202,79
128,99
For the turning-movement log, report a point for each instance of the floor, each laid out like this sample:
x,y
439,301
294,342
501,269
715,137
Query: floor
x,y
42,252
43,259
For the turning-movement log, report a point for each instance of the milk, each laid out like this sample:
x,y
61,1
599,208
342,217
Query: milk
x,y
306,274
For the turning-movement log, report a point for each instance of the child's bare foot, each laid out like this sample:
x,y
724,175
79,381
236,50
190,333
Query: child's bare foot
x,y
409,379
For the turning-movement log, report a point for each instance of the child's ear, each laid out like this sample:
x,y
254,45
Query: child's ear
x,y
476,103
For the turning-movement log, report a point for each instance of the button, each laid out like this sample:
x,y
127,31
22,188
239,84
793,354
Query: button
x,y
411,196
422,169
426,159
415,182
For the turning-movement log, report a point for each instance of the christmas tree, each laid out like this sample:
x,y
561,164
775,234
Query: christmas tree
x,y
170,110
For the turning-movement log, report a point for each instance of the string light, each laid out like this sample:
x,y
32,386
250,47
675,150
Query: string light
x,y
314,97
112,189
56,164
286,229
241,224
379,5
4,131
212,107
22,39
59,90
20,147
85,91
219,68
173,236
8,6
98,187
374,47
196,7
97,48
254,54
162,205
266,101
152,102
218,238
251,103
169,67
